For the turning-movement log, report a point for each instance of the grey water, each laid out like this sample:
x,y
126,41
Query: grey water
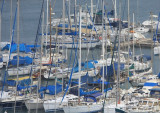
x,y
30,13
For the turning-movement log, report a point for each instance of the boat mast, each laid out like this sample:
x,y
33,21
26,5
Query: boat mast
x,y
103,45
0,29
17,53
46,30
115,8
69,12
79,83
92,8
133,39
75,15
118,74
63,32
11,20
128,38
50,28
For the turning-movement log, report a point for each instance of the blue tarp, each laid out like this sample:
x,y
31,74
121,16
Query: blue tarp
x,y
22,60
84,66
67,26
71,33
155,89
150,84
24,82
93,96
147,57
51,89
19,87
1,60
110,70
22,47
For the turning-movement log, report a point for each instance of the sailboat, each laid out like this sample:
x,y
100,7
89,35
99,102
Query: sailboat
x,y
83,106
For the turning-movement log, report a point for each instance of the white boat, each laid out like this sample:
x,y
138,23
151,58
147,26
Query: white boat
x,y
6,58
141,29
82,107
1,61
111,108
149,23
34,104
146,105
3,44
55,104
149,85
56,72
46,59
23,70
67,42
157,50
91,72
140,80
7,99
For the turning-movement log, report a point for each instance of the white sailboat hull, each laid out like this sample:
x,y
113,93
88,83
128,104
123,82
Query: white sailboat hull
x,y
1,64
55,104
157,50
83,73
33,104
22,70
82,109
84,45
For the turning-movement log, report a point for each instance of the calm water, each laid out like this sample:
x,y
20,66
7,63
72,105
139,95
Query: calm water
x,y
30,12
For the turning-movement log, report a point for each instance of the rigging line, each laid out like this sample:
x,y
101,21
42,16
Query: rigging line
x,y
52,56
37,35
71,72
2,7
12,36
18,5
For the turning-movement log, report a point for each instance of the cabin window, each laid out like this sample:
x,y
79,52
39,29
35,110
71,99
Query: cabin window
x,y
156,103
150,103
144,103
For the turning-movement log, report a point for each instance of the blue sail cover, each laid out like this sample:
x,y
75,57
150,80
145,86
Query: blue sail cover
x,y
1,60
110,68
51,89
24,82
19,87
22,60
22,48
84,66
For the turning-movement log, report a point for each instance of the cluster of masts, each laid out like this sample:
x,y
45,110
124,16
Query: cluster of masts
x,y
80,87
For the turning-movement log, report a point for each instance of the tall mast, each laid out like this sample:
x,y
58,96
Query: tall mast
x,y
50,28
128,36
118,74
133,38
11,21
79,83
92,8
46,29
17,52
69,12
103,44
63,33
0,29
115,8
75,14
